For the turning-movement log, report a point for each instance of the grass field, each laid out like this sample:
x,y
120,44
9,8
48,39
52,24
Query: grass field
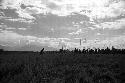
x,y
54,67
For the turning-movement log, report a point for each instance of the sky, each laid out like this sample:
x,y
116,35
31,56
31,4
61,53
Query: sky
x,y
57,23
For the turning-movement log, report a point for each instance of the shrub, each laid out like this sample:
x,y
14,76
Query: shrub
x,y
1,50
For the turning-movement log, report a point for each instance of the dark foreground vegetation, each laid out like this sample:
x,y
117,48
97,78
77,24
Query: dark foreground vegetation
x,y
62,67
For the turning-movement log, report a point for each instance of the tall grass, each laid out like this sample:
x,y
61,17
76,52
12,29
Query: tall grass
x,y
30,67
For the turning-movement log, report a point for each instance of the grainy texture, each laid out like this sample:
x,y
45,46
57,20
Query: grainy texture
x,y
30,67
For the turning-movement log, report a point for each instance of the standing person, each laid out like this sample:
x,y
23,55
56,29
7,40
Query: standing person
x,y
41,52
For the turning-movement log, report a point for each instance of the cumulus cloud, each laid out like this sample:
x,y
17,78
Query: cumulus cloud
x,y
24,14
10,4
14,39
77,14
79,31
10,28
3,26
2,14
92,8
20,20
6,28
118,42
31,7
99,34
92,28
118,24
22,29
11,38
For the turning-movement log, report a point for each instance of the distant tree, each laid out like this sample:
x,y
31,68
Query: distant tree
x,y
1,50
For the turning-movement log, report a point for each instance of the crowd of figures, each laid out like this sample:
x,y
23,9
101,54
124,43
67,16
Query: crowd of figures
x,y
88,51
97,51
91,51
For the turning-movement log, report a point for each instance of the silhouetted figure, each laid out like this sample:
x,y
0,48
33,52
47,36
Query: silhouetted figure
x,y
61,50
76,50
41,52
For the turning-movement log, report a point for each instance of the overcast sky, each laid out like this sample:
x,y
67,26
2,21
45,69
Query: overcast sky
x,y
54,23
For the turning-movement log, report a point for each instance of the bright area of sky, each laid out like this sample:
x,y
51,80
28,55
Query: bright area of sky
x,y
57,23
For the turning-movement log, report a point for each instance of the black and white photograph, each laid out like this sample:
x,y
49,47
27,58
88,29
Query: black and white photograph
x,y
62,41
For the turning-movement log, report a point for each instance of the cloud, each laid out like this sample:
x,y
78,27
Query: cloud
x,y
6,28
22,29
2,14
23,14
79,31
118,42
3,26
92,28
99,34
32,7
9,37
15,4
103,8
95,9
10,28
20,20
14,39
98,9
10,4
118,24
62,16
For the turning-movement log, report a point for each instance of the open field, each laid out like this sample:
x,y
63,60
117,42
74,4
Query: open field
x,y
59,67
